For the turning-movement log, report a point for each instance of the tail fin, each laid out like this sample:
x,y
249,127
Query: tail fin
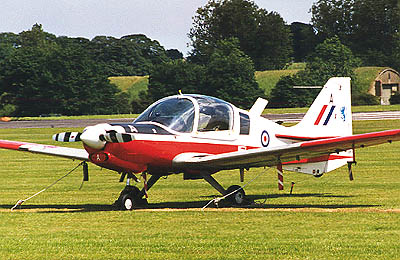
x,y
330,114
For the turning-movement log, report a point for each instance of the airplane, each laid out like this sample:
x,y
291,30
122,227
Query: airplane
x,y
198,136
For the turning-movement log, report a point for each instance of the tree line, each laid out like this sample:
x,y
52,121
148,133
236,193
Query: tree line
x,y
343,34
230,39
44,74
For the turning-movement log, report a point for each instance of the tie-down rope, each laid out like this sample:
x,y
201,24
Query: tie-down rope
x,y
19,202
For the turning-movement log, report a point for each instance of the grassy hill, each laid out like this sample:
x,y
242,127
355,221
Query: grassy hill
x,y
131,84
134,84
365,76
266,79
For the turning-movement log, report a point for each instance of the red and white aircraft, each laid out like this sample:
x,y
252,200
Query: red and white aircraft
x,y
200,135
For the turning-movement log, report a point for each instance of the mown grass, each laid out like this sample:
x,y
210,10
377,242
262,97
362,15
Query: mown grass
x,y
325,218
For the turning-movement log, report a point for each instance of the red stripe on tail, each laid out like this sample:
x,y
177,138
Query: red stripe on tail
x,y
320,115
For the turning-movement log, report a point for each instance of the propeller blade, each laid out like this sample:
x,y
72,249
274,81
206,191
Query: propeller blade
x,y
114,137
67,137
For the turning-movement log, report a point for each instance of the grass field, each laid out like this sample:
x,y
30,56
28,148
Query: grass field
x,y
325,218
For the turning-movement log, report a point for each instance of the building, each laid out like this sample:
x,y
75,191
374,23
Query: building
x,y
386,84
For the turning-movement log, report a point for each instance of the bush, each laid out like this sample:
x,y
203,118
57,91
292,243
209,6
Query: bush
x,y
395,99
364,99
7,110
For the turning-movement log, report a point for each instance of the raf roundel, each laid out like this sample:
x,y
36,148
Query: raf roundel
x,y
265,138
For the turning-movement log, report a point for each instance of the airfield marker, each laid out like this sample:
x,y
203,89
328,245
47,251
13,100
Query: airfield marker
x,y
280,176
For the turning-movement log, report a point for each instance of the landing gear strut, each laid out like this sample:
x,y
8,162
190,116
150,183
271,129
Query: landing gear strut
x,y
131,197
238,196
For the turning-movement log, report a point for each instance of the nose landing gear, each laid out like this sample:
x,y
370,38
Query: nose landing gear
x,y
131,197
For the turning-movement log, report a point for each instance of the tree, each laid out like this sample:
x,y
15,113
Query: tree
x,y
396,52
174,54
376,23
304,40
229,75
262,35
8,43
368,27
40,77
36,37
130,55
42,74
333,17
169,78
330,59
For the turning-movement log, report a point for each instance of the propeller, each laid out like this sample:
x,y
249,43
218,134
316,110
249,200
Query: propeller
x,y
67,137
96,136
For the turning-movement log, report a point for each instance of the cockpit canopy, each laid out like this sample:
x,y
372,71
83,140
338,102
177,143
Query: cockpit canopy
x,y
186,113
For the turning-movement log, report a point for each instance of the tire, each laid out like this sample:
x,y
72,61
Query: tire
x,y
128,203
237,198
129,192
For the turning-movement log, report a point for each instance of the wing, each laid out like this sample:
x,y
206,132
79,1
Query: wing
x,y
66,152
273,156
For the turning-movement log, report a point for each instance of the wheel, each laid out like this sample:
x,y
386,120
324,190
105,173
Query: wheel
x,y
237,198
128,203
130,192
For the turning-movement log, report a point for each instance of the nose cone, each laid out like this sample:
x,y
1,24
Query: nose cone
x,y
90,137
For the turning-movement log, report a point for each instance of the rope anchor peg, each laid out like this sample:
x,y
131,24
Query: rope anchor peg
x,y
19,203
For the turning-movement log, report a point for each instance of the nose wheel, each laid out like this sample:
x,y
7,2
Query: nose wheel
x,y
131,197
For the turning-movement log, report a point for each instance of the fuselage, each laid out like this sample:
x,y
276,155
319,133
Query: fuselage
x,y
184,124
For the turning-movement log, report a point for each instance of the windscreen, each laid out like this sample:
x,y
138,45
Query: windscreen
x,y
175,113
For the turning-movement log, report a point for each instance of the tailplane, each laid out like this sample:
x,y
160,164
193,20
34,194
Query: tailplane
x,y
328,116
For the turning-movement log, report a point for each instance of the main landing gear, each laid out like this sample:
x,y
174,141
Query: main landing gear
x,y
131,197
237,195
